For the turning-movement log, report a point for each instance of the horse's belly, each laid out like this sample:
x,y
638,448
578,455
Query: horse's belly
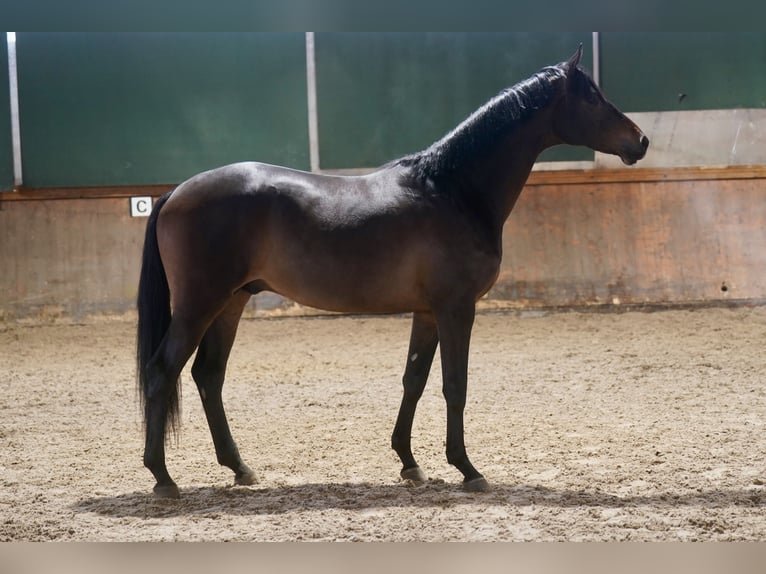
x,y
348,292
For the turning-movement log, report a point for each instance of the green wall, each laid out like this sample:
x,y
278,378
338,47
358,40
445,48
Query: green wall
x,y
144,108
684,71
384,95
114,109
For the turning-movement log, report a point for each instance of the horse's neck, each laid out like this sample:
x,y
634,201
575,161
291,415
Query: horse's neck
x,y
491,154
499,177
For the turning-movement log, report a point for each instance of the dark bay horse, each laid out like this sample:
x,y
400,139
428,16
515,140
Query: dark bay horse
x,y
421,234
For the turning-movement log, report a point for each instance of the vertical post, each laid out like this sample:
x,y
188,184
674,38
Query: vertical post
x,y
311,92
596,60
13,81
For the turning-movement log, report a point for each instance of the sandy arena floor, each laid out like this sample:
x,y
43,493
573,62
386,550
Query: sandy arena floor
x,y
590,426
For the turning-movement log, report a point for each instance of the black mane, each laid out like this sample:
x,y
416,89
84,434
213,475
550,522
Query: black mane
x,y
482,130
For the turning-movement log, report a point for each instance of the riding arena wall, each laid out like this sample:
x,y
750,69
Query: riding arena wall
x,y
683,227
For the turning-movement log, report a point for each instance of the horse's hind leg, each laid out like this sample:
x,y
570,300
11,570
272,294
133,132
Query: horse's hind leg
x,y
423,342
209,370
163,370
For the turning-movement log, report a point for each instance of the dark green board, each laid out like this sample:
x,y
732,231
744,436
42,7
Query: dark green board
x,y
155,108
384,95
684,71
6,146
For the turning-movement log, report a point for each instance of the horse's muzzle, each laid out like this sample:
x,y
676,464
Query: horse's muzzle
x,y
631,154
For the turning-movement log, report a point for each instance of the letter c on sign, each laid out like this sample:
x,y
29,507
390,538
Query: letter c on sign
x,y
140,206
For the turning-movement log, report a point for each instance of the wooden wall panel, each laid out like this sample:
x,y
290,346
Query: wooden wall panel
x,y
584,239
68,258
648,242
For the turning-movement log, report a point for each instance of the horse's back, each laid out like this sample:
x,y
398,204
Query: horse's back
x,y
228,181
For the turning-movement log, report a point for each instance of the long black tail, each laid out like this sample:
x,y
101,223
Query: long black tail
x,y
153,312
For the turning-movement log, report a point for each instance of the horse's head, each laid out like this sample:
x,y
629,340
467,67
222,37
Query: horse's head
x,y
585,117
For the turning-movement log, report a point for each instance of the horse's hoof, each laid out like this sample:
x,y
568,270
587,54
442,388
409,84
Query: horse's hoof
x,y
245,478
415,475
167,491
476,485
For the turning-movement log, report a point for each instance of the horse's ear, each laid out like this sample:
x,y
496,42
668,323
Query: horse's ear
x,y
574,61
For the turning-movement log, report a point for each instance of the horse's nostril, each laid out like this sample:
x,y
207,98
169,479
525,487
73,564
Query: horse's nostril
x,y
644,142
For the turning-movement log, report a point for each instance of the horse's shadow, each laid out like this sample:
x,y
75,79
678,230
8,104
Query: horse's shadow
x,y
243,501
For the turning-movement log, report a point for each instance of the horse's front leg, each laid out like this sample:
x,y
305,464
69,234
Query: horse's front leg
x,y
420,356
454,326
